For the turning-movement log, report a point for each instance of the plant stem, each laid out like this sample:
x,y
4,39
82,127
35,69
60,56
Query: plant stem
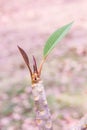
x,y
43,116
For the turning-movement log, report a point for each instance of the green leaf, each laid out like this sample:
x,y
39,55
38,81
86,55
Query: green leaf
x,y
56,37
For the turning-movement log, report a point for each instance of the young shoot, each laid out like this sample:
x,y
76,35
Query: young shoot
x,y
43,116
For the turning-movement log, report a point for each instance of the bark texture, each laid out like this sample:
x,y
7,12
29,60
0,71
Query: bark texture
x,y
43,116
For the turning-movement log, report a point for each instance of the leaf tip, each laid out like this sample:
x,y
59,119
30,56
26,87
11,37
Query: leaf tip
x,y
19,47
71,23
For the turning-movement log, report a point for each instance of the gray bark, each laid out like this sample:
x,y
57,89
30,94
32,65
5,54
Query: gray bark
x,y
43,116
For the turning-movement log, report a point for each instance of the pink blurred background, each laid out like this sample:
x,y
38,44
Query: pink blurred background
x,y
29,23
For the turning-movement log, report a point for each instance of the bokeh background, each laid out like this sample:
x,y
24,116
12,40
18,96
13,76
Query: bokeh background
x,y
29,23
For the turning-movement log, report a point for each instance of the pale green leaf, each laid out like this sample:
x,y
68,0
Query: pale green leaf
x,y
56,37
